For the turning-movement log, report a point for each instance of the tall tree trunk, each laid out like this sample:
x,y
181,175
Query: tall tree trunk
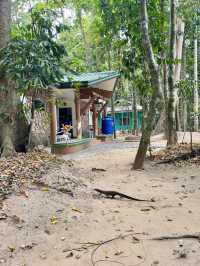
x,y
160,125
162,122
182,103
6,105
179,56
88,57
195,92
172,135
179,48
5,17
7,119
31,123
134,112
166,95
156,87
185,116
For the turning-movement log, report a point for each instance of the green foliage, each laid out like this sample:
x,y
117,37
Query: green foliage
x,y
185,89
33,58
112,34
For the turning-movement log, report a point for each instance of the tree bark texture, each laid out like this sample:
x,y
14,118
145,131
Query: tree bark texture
x,y
31,124
172,136
179,57
166,95
134,112
5,17
7,105
182,102
160,125
156,88
179,48
13,123
88,56
7,121
195,91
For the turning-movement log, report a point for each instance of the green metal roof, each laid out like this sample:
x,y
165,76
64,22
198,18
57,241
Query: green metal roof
x,y
87,79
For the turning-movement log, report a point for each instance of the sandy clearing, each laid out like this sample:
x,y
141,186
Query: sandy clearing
x,y
176,210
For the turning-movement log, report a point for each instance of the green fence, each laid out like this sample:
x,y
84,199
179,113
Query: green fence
x,y
124,121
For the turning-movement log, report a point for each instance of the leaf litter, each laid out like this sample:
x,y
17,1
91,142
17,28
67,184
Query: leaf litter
x,y
178,154
17,172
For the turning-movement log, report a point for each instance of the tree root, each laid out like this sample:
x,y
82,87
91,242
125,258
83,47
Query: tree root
x,y
7,147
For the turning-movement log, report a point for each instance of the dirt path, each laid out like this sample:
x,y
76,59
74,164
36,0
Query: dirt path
x,y
104,147
41,228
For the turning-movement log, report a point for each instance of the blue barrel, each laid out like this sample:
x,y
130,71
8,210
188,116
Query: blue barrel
x,y
107,126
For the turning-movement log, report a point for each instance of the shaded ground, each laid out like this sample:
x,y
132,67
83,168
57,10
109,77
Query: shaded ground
x,y
44,224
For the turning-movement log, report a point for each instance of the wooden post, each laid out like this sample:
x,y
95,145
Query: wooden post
x,y
113,115
122,118
53,120
87,106
94,119
104,111
78,116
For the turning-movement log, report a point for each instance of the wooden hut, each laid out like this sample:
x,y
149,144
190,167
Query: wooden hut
x,y
78,100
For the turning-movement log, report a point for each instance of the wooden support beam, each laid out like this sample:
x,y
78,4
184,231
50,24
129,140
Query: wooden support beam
x,y
113,108
104,111
78,116
85,95
98,95
104,94
87,106
53,119
94,119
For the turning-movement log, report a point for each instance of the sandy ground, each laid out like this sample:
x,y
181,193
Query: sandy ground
x,y
41,228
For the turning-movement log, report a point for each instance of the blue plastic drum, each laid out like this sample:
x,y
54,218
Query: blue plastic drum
x,y
107,126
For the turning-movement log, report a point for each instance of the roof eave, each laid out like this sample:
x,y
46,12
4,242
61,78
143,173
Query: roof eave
x,y
97,81
77,84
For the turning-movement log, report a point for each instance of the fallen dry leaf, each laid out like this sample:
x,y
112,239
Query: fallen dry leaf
x,y
76,210
45,189
54,220
11,248
17,171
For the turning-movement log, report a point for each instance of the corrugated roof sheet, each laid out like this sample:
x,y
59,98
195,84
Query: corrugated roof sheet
x,y
87,79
